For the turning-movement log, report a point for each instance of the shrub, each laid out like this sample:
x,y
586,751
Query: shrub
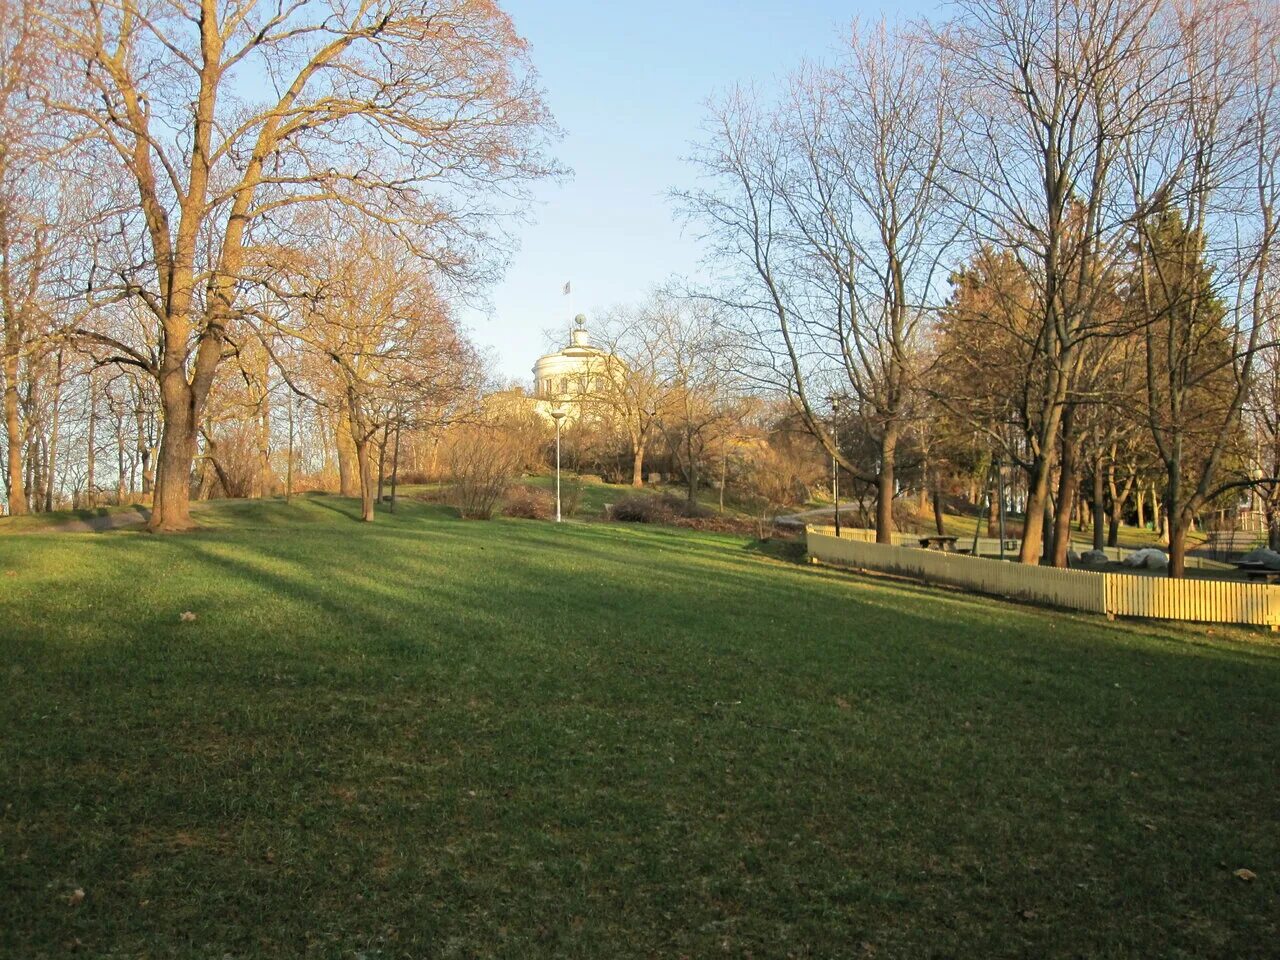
x,y
639,508
529,503
570,496
482,470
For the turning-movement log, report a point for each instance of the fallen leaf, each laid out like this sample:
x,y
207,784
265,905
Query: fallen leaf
x,y
1245,874
77,895
843,704
11,573
1028,914
187,616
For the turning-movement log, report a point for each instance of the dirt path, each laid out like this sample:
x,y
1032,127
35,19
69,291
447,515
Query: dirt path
x,y
799,519
135,517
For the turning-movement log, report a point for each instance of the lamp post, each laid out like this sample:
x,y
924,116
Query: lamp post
x,y
835,462
557,414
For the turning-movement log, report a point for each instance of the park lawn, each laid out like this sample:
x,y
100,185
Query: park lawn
x,y
428,737
596,494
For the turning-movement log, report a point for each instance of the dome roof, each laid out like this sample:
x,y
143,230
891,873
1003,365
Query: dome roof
x,y
578,348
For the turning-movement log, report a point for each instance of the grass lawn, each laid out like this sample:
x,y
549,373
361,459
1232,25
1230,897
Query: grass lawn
x,y
595,495
428,737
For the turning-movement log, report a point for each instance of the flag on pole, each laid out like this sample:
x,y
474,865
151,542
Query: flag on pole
x,y
566,288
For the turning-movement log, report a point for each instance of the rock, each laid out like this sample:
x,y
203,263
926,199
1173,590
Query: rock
x,y
1090,557
1073,559
1148,558
1268,558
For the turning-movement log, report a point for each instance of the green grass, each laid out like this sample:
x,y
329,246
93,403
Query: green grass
x,y
427,737
595,495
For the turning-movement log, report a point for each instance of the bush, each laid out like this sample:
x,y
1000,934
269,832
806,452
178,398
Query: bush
x,y
639,508
570,496
662,508
482,470
529,503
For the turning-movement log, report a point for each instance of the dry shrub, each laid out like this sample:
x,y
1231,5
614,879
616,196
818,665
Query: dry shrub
x,y
667,508
639,508
529,503
482,466
570,496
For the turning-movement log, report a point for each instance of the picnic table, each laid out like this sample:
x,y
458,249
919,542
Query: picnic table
x,y
1256,570
946,544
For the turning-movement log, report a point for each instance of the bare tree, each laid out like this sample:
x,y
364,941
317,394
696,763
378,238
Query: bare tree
x,y
1050,93
1205,279
830,212
637,382
393,353
27,206
227,113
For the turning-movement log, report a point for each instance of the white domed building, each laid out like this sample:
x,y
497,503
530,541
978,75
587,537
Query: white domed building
x,y
574,376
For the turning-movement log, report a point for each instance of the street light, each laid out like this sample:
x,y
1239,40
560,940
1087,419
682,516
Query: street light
x,y
835,462
558,414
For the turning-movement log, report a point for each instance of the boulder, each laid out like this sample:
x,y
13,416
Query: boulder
x,y
1091,557
1149,558
1268,558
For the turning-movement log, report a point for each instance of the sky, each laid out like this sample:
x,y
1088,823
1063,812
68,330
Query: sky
x,y
628,82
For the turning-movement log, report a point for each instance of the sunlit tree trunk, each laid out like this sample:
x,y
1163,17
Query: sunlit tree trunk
x,y
13,427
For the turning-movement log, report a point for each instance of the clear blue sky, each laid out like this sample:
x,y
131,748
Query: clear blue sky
x,y
628,82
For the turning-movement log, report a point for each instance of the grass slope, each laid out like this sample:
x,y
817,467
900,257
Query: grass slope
x,y
433,738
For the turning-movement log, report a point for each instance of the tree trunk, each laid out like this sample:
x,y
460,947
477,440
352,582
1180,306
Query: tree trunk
x,y
884,486
1046,531
395,468
993,512
1068,482
288,470
348,467
264,446
1141,504
1099,507
382,460
144,458
637,464
120,471
1177,544
91,442
1113,525
171,504
13,426
938,520
364,463
1034,515
51,467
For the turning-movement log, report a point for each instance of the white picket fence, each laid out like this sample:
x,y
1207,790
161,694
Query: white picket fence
x,y
1116,595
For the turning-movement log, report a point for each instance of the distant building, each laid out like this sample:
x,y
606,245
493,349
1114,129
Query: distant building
x,y
573,376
